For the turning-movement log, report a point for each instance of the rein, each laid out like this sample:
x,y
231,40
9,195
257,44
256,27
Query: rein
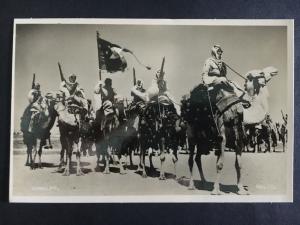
x,y
237,73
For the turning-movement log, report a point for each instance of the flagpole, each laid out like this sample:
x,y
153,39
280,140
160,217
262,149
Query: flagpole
x,y
99,72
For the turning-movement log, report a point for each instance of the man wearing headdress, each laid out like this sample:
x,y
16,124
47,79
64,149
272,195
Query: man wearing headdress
x,y
107,94
70,87
158,88
34,94
214,69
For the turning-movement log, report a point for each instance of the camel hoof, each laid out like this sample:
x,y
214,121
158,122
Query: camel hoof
x,y
139,168
123,172
216,191
242,191
66,173
60,169
40,166
162,177
144,175
79,173
61,165
97,167
27,164
191,187
106,171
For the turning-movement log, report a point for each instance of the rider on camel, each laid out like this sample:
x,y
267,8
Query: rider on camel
x,y
214,70
69,87
158,89
214,76
73,94
107,94
34,94
139,87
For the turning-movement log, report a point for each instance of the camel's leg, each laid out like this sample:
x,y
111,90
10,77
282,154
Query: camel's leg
x,y
68,161
140,163
49,143
162,160
34,156
130,152
199,165
140,167
238,167
77,150
40,153
107,157
61,160
175,160
238,154
143,156
191,166
126,161
29,155
121,162
32,150
90,148
220,162
97,155
151,153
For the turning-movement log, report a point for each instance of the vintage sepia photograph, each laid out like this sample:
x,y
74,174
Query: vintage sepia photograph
x,y
136,110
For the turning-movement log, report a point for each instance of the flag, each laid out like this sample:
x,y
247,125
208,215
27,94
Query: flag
x,y
110,56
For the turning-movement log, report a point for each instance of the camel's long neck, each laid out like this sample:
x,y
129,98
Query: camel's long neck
x,y
263,96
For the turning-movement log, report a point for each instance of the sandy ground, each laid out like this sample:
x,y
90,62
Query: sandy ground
x,y
264,173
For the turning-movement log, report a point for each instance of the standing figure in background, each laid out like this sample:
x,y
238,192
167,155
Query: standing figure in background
x,y
284,131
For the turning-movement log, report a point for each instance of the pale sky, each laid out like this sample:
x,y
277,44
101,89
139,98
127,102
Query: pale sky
x,y
40,47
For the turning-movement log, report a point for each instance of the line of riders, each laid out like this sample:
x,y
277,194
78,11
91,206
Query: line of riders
x,y
216,114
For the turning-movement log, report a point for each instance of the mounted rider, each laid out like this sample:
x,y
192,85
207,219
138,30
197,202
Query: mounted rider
x,y
107,94
36,104
158,89
139,86
73,95
223,92
35,93
69,87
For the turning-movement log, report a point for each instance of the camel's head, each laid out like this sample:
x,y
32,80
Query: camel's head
x,y
257,79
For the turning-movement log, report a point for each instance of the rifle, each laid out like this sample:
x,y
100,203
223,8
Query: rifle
x,y
134,77
33,81
282,114
161,74
61,73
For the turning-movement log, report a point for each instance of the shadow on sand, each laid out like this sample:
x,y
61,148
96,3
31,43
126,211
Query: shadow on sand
x,y
153,172
208,185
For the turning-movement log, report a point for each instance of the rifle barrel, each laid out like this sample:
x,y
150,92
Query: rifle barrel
x,y
162,68
61,72
134,77
33,81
